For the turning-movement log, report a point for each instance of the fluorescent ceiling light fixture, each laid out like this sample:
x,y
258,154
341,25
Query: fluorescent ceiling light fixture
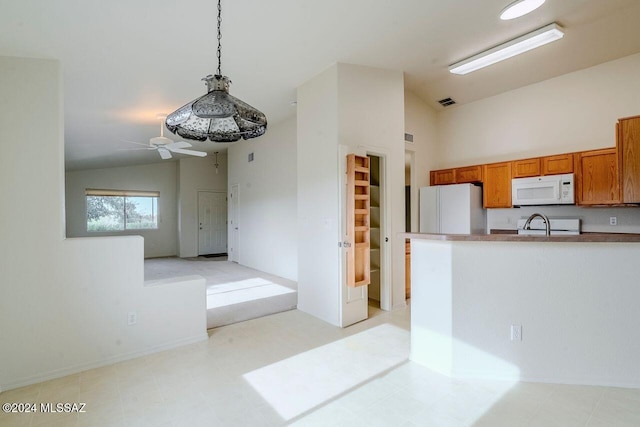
x,y
520,8
540,37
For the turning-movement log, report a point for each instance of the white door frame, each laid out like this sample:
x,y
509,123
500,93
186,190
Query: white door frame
x,y
199,219
234,231
386,290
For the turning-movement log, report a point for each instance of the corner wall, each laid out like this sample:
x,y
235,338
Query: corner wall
x,y
420,120
318,218
574,112
267,200
64,303
154,177
361,108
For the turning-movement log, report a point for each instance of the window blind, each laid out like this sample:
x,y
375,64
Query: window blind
x,y
126,193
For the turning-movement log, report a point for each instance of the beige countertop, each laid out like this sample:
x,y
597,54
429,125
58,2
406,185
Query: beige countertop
x,y
581,238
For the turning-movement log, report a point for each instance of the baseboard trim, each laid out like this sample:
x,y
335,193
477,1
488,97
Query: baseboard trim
x,y
59,373
588,381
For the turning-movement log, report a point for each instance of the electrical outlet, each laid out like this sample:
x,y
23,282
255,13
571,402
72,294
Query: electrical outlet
x,y
613,220
132,318
516,332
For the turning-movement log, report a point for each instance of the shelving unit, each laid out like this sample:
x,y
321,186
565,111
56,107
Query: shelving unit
x,y
358,221
374,252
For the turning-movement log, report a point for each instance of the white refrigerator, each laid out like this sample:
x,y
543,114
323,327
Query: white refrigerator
x,y
452,209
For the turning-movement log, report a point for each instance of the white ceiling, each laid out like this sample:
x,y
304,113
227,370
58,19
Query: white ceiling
x,y
126,61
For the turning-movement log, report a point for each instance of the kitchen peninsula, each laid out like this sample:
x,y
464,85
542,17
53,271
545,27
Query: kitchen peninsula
x,y
554,309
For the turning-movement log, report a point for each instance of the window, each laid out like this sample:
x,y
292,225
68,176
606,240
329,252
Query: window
x,y
117,210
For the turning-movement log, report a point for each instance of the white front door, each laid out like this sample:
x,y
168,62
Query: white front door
x,y
234,197
212,223
354,301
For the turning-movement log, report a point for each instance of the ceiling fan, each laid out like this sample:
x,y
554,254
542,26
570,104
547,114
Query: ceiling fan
x,y
165,146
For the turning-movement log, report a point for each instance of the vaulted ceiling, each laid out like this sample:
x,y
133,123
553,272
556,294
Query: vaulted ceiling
x,y
125,62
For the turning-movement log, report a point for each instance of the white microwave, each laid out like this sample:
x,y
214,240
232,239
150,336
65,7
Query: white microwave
x,y
543,190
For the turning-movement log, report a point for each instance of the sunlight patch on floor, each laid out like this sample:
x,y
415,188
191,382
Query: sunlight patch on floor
x,y
455,358
243,291
300,383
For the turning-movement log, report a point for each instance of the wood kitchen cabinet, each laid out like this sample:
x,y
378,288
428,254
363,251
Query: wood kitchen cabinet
x,y
628,144
526,168
596,177
443,177
497,185
556,165
468,174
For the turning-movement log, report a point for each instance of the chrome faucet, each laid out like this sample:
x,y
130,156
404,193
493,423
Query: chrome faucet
x,y
527,225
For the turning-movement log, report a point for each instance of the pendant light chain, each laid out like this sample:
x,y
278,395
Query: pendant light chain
x,y
217,116
219,38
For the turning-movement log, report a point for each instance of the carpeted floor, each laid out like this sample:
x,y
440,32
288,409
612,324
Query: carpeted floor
x,y
234,293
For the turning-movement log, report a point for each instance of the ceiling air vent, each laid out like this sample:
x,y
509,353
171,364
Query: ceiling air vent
x,y
446,102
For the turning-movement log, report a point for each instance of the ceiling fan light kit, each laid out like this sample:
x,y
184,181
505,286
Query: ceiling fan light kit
x,y
525,43
217,116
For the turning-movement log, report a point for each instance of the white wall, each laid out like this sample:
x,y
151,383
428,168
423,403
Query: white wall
x,y
420,120
267,200
64,302
574,112
342,106
154,177
196,174
593,219
318,218
574,310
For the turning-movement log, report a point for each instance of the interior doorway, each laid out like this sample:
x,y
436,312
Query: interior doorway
x,y
411,215
377,230
212,223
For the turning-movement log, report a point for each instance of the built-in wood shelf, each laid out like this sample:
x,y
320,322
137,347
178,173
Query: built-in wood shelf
x,y
358,221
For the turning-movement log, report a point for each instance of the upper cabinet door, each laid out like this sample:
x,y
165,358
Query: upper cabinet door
x,y
497,185
628,136
469,174
597,177
443,177
526,168
556,165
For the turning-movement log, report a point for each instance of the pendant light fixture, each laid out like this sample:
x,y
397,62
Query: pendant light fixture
x,y
217,116
216,163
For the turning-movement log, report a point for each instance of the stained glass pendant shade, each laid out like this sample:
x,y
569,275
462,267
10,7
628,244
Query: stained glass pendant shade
x,y
217,116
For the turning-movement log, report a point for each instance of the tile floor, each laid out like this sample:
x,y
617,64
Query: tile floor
x,y
292,369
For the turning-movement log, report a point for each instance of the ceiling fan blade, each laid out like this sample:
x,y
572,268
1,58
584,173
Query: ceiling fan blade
x,y
189,152
164,153
179,144
135,149
134,142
